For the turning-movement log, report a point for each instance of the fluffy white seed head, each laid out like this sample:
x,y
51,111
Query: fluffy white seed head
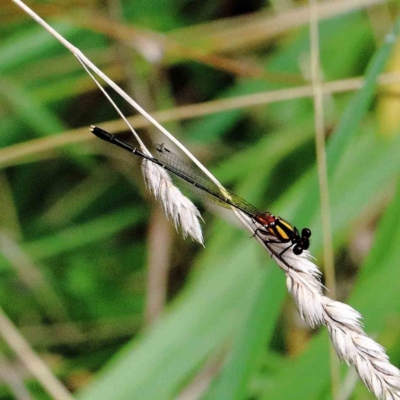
x,y
177,207
349,340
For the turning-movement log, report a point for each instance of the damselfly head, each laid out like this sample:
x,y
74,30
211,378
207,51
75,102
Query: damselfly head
x,y
303,242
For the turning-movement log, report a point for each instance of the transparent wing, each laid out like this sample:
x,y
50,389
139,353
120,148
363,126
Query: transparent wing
x,y
195,181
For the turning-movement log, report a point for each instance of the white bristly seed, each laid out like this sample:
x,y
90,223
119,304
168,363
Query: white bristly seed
x,y
177,207
343,322
349,340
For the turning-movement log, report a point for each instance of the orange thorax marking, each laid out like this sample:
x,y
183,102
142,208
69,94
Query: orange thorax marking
x,y
265,219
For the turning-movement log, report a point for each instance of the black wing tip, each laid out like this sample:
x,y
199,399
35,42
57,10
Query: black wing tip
x,y
101,133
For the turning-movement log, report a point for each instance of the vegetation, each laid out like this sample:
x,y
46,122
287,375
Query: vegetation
x,y
115,301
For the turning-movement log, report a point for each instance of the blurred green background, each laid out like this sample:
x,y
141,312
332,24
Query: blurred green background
x,y
96,279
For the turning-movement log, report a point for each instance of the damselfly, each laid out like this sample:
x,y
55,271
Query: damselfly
x,y
196,181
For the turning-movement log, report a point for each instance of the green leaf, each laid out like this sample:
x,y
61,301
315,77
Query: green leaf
x,y
257,329
81,235
204,316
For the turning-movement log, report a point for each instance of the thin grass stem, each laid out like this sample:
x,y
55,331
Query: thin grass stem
x,y
319,125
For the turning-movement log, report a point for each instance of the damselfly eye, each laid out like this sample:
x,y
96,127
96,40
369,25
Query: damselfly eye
x,y
306,233
297,250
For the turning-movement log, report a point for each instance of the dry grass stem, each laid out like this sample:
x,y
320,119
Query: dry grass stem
x,y
31,360
33,278
13,378
323,176
61,334
321,149
160,245
252,30
232,34
155,47
36,148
